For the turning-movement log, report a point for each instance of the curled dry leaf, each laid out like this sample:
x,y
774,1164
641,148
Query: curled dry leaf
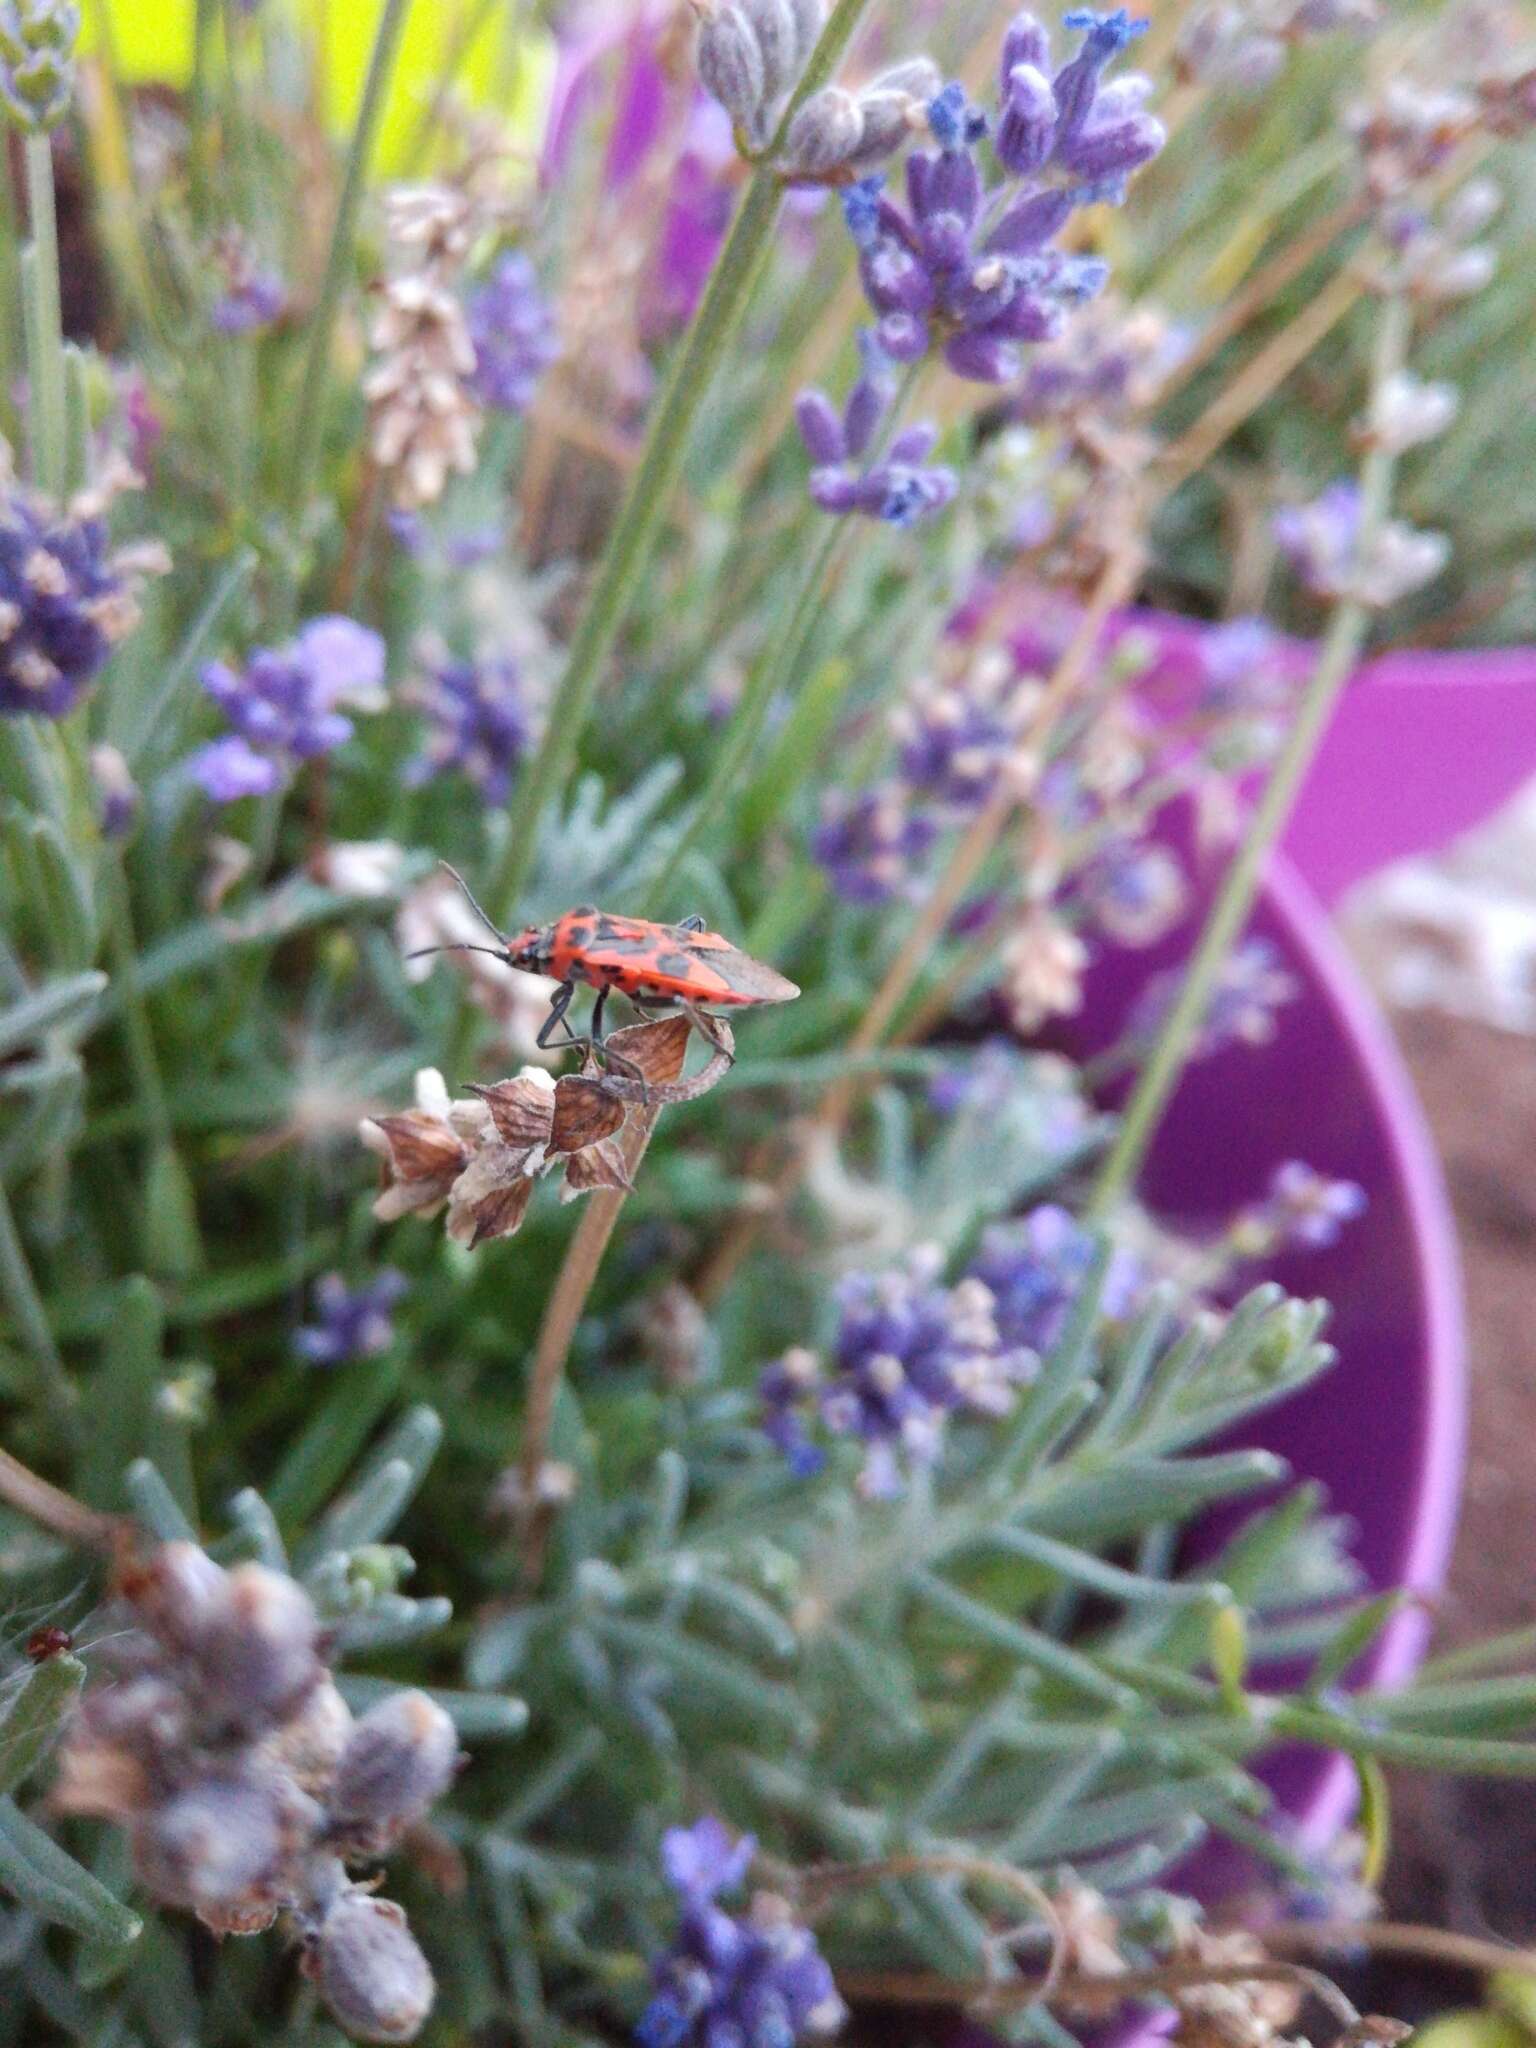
x,y
661,1091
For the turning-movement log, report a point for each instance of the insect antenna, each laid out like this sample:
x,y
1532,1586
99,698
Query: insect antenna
x,y
469,897
459,946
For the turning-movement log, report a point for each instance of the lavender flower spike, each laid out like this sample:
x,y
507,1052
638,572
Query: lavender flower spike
x,y
65,603
353,1321
901,487
758,1981
284,707
512,328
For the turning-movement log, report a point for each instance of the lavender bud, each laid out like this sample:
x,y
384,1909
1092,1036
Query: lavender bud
x,y
824,134
308,1747
116,792
731,67
867,401
370,1972
1030,225
37,60
820,428
1028,126
183,1593
398,1761
809,16
260,1662
1025,43
773,26
214,1847
1113,149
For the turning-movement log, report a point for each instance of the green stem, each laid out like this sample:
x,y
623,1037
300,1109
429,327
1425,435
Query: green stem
x,y
306,433
19,1291
772,669
1229,913
45,324
638,525
148,1087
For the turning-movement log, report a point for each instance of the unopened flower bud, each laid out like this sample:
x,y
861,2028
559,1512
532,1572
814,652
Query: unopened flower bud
x,y
369,1969
398,1761
259,1662
1028,126
777,36
216,1846
37,60
824,134
731,67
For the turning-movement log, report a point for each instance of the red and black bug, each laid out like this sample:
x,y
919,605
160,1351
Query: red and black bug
x,y
45,1643
657,966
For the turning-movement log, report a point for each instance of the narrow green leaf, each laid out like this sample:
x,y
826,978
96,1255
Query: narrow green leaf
x,y
58,1005
155,1504
50,1883
34,1716
478,1716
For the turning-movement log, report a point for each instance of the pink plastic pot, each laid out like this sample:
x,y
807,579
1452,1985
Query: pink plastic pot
x,y
1384,1430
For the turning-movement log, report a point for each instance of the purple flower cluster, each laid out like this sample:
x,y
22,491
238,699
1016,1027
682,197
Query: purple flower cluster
x,y
351,1322
954,738
512,328
752,1981
899,486
971,270
1252,985
64,604
1326,545
1303,1208
221,1745
480,722
1034,1268
284,706
910,1352
868,843
252,300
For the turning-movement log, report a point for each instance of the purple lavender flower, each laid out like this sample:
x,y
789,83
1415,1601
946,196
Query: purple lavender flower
x,y
900,487
960,270
283,706
63,606
512,327
868,843
758,1981
1134,890
1303,1208
1251,987
785,1388
955,736
1240,669
253,300
1323,542
1034,1268
352,1322
479,723
911,1352
117,794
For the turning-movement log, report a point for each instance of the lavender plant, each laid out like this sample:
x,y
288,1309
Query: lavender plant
x,y
811,1463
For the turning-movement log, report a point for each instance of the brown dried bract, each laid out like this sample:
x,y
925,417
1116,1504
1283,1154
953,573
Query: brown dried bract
x,y
585,1113
655,1052
597,1166
523,1110
662,1091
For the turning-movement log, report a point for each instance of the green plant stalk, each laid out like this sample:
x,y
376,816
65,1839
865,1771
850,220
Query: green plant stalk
x,y
775,666
306,432
19,1292
770,672
635,531
1234,902
45,324
148,1087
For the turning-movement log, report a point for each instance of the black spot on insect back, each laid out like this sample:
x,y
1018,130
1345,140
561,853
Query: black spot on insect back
x,y
678,965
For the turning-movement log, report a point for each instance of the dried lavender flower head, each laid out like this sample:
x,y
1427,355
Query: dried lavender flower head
x,y
219,1742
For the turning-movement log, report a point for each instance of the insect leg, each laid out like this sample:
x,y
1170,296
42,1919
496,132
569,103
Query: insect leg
x,y
559,1003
